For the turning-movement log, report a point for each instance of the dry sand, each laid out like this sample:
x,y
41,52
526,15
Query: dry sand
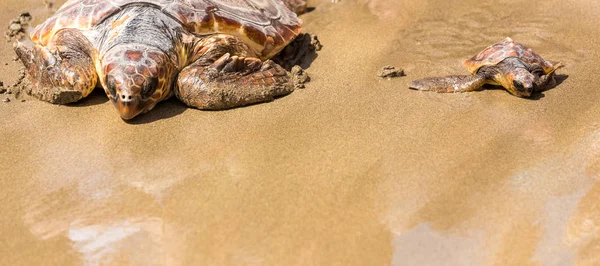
x,y
353,170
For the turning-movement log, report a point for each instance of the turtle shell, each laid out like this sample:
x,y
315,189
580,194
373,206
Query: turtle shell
x,y
266,25
495,53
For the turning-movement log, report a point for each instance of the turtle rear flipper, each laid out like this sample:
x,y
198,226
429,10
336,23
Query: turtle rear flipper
x,y
455,83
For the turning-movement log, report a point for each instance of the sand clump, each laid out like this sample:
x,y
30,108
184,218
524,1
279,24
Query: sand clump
x,y
17,27
3,90
21,85
49,4
390,72
299,77
315,44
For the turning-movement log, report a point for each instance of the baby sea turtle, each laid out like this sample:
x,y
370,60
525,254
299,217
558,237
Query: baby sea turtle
x,y
212,54
511,65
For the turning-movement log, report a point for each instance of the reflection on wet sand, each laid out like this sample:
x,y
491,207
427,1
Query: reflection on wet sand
x,y
423,246
353,170
583,231
130,241
85,215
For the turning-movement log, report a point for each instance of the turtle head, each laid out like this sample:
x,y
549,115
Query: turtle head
x,y
520,82
136,77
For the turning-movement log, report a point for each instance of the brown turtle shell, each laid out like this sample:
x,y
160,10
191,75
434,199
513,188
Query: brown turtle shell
x,y
495,53
267,25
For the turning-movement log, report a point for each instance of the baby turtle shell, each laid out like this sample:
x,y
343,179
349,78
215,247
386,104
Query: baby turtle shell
x,y
496,53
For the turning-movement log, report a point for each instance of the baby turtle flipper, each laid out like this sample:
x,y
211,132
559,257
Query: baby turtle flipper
x,y
61,74
456,83
230,82
547,81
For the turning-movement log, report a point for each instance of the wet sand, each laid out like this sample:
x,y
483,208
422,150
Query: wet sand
x,y
352,170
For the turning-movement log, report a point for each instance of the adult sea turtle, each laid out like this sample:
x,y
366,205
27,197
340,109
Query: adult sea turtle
x,y
211,54
507,63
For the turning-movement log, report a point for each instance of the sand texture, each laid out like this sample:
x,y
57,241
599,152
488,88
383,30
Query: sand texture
x,y
352,170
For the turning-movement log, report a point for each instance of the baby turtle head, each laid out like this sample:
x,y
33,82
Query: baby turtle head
x,y
136,78
520,82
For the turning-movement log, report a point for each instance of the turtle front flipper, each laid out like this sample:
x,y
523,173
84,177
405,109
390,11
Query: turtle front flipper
x,y
63,72
230,82
455,83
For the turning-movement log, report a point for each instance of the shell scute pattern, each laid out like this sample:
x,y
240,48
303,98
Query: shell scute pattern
x,y
497,52
260,22
77,14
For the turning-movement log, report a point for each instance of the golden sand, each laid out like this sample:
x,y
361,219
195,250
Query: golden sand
x,y
353,170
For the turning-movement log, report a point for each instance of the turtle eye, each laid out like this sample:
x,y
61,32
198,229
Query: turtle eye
x,y
111,86
149,87
519,85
